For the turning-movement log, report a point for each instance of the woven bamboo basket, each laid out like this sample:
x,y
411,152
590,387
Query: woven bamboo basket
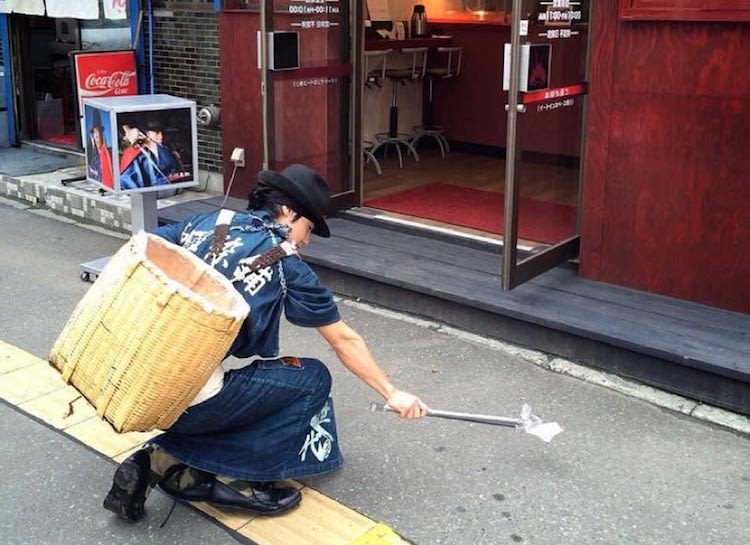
x,y
148,334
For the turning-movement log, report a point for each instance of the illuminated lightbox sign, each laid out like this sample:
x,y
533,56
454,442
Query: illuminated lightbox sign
x,y
140,143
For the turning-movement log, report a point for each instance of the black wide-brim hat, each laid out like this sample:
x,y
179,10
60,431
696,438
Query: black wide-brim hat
x,y
155,125
97,120
307,189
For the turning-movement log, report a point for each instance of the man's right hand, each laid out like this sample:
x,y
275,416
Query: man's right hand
x,y
406,405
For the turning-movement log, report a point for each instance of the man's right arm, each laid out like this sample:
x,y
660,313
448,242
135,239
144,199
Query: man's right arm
x,y
352,351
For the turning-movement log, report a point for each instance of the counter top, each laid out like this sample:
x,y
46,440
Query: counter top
x,y
384,43
467,18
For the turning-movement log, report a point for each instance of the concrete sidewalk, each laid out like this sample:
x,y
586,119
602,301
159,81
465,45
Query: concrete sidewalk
x,y
627,469
37,181
623,471
35,175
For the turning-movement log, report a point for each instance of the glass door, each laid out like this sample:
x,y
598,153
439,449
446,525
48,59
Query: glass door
x,y
306,62
546,74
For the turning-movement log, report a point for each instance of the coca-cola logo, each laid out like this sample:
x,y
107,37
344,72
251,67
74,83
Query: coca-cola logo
x,y
109,80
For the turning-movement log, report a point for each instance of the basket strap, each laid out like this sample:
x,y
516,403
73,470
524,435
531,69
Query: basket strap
x,y
221,229
265,259
272,255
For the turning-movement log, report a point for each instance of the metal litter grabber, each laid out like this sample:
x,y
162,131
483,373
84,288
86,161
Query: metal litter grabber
x,y
528,422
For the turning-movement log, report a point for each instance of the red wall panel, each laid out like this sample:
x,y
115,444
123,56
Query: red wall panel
x,y
686,10
666,192
306,123
242,121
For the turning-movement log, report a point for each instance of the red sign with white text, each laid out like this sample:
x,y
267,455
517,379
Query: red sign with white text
x,y
105,74
556,92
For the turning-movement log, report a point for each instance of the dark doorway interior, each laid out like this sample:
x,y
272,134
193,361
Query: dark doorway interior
x,y
49,113
45,96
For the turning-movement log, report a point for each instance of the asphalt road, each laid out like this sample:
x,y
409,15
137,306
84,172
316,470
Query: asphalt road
x,y
623,472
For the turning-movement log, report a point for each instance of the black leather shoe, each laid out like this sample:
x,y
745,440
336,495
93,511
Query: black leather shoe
x,y
261,498
199,489
129,486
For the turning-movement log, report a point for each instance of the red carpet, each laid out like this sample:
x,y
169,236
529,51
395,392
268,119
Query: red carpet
x,y
65,139
539,221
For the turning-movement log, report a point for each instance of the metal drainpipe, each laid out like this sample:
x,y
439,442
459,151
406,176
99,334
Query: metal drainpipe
x,y
8,87
263,47
150,47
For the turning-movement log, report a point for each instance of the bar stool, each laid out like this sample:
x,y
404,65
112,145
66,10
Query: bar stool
x,y
401,76
451,69
374,75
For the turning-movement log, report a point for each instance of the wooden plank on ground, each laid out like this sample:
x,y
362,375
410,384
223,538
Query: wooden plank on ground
x,y
12,358
380,534
30,382
100,436
55,408
317,520
232,519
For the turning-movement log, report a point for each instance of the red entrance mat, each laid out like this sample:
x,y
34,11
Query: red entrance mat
x,y
65,139
540,221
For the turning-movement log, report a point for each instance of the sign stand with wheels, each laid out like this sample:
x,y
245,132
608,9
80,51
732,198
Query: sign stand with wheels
x,y
143,210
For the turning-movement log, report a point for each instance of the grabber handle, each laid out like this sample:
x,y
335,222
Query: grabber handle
x,y
451,415
480,418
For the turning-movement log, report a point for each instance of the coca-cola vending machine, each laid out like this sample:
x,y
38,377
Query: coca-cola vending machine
x,y
99,74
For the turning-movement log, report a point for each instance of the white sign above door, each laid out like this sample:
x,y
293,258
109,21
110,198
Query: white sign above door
x,y
28,7
80,9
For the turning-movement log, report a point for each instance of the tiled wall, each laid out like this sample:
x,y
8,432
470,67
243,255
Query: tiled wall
x,y
186,63
83,205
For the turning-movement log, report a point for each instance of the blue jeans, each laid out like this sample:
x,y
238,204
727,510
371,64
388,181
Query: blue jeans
x,y
271,420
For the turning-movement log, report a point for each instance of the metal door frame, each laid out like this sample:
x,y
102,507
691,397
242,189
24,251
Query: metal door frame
x,y
516,273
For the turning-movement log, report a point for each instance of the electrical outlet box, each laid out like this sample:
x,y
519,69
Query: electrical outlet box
x,y
238,157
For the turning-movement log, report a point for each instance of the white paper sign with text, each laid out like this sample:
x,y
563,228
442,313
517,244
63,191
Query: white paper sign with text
x,y
115,9
29,7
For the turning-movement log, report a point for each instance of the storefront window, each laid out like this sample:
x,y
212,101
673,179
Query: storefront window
x,y
105,34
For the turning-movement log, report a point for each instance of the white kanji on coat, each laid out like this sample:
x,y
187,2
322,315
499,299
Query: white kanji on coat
x,y
193,239
254,281
220,261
